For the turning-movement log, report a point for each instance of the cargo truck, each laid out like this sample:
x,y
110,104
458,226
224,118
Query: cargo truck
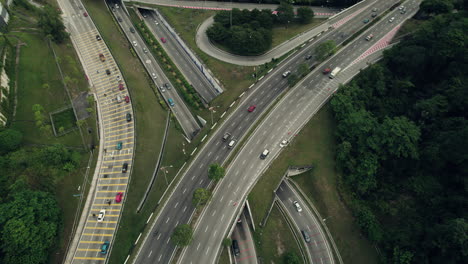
x,y
334,72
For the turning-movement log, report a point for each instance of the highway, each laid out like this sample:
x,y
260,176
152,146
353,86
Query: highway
x,y
318,248
186,120
179,56
283,122
178,208
117,140
243,235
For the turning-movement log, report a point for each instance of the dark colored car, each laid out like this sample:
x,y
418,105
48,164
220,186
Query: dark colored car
x,y
308,57
132,30
235,248
119,19
306,236
167,85
108,72
121,87
98,37
251,108
163,40
85,14
226,136
127,99
326,70
124,167
129,117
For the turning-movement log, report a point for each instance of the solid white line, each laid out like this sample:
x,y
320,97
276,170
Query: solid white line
x,y
193,151
138,238
150,253
203,138
149,217
242,94
214,125
167,219
232,104
223,114
175,206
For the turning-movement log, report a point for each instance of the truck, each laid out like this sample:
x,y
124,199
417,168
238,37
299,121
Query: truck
x,y
101,56
334,72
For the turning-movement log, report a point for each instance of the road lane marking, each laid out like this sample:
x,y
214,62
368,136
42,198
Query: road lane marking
x,y
150,253
167,219
175,206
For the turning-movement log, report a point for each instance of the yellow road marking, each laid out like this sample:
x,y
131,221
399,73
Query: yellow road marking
x,y
113,184
92,242
103,228
88,234
86,249
104,222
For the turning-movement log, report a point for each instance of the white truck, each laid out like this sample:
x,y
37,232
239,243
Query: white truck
x,y
334,72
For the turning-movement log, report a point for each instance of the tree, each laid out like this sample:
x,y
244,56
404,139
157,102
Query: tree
x,y
217,33
51,24
10,140
436,6
399,137
200,197
182,235
215,172
325,50
304,15
291,258
285,13
29,223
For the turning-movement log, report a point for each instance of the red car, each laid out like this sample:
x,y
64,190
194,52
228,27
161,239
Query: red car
x,y
85,14
118,197
127,99
326,70
163,40
121,87
251,108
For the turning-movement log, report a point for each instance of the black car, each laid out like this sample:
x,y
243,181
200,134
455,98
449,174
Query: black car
x,y
119,19
306,236
308,57
235,248
124,167
98,37
108,72
132,30
167,85
129,117
226,136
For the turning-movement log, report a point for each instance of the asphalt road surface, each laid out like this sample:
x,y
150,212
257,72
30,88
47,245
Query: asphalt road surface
x,y
179,56
116,131
317,248
243,235
187,121
178,208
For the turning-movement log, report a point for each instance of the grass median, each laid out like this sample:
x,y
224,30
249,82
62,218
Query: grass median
x,y
275,239
315,145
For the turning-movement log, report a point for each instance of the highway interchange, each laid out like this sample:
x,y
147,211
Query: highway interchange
x,y
296,106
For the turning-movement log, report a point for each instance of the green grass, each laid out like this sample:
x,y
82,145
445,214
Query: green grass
x,y
275,239
315,145
65,119
283,33
224,257
36,67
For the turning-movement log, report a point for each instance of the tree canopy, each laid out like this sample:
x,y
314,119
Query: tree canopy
x,y
52,25
182,235
216,172
403,144
201,197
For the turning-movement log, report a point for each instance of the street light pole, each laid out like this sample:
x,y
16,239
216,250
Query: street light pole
x,y
165,171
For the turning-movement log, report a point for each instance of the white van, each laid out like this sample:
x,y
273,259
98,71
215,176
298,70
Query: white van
x,y
119,98
231,143
264,154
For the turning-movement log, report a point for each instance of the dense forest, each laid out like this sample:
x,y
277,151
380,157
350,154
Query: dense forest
x,y
249,32
403,142
31,218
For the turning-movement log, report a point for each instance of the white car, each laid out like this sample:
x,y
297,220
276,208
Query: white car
x,y
118,78
135,43
401,8
284,143
298,207
101,215
154,75
286,73
391,19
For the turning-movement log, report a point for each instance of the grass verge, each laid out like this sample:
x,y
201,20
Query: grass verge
x,y
224,257
275,239
284,33
65,119
36,68
316,145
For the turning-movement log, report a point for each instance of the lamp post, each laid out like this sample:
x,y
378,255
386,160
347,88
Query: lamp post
x,y
165,171
212,110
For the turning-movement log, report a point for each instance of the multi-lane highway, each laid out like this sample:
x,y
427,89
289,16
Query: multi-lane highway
x,y
185,64
117,129
245,242
178,208
307,225
283,122
186,120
